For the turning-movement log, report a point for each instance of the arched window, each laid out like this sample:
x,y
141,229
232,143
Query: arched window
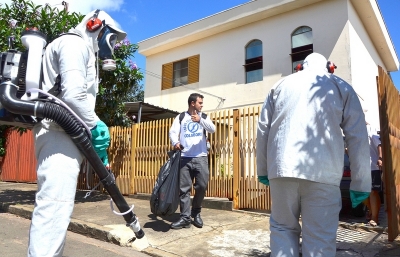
x,y
254,61
302,45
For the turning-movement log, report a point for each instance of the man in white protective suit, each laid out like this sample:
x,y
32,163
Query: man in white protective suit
x,y
300,156
70,60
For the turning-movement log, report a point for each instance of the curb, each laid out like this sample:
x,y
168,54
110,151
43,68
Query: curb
x,y
92,230
19,210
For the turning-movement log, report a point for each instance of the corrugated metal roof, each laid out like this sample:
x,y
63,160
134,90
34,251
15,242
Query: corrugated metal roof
x,y
148,112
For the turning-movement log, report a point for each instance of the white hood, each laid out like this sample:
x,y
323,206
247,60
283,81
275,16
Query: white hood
x,y
91,37
315,61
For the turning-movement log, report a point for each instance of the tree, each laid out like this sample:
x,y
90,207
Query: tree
x,y
22,14
115,87
119,86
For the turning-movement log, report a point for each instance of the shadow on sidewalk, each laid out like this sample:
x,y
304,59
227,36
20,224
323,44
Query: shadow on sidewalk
x,y
13,196
161,224
27,197
95,196
258,253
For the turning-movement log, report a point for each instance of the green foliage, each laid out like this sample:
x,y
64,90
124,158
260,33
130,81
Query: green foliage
x,y
22,14
3,139
25,14
116,87
3,129
119,86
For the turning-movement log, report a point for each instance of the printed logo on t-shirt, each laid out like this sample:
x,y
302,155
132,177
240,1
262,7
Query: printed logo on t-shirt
x,y
192,129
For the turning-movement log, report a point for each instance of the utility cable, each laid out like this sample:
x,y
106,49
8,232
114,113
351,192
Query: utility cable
x,y
158,76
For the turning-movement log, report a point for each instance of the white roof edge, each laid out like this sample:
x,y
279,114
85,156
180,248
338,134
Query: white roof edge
x,y
386,35
190,23
228,19
371,17
255,10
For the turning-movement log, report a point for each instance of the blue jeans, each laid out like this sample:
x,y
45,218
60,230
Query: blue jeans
x,y
193,168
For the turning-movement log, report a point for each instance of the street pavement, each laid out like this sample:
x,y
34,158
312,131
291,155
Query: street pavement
x,y
225,232
14,241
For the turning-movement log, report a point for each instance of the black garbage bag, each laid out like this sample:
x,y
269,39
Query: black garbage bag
x,y
165,196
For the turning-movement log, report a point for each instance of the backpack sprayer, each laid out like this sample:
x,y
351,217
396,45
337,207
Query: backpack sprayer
x,y
21,105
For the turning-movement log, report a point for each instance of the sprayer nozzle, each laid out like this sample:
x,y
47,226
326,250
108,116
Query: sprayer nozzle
x,y
139,234
135,226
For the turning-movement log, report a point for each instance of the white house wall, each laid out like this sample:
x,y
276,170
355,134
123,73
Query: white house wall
x,y
222,57
340,54
364,60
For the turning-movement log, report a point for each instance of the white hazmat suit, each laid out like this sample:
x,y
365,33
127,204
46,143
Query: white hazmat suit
x,y
73,57
300,150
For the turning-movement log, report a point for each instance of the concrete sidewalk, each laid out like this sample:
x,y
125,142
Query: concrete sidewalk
x,y
225,232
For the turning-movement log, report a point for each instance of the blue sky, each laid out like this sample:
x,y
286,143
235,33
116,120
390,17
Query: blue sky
x,y
142,19
390,11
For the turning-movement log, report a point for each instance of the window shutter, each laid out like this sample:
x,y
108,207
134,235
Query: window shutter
x,y
167,76
193,63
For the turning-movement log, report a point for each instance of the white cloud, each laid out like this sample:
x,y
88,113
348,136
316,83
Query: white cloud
x,y
81,6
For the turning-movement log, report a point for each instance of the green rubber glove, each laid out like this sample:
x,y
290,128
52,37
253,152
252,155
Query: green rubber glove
x,y
263,180
101,140
357,197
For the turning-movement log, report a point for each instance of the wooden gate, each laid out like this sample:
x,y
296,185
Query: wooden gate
x,y
389,112
248,192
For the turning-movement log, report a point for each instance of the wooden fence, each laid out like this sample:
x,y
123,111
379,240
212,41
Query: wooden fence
x,y
389,112
119,156
231,158
251,193
137,153
150,147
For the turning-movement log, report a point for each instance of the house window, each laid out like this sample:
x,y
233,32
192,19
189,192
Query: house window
x,y
254,62
179,73
302,45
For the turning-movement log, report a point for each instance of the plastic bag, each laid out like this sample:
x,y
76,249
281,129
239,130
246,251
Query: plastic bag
x,y
164,199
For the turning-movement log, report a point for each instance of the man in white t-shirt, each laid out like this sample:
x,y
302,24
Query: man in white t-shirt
x,y
187,134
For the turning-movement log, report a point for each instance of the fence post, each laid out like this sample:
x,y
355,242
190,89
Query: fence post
x,y
135,129
236,158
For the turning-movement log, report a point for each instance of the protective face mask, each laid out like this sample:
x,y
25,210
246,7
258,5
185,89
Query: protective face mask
x,y
106,41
